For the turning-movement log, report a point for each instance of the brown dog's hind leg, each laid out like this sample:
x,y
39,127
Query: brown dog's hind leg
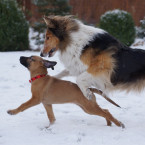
x,y
30,103
94,109
111,118
108,121
50,113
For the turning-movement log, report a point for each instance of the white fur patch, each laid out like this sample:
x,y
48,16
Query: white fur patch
x,y
71,56
86,80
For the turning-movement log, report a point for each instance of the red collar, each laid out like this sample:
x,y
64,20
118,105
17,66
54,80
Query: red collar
x,y
37,77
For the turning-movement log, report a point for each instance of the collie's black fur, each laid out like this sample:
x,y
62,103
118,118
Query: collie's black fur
x,y
102,41
130,66
130,63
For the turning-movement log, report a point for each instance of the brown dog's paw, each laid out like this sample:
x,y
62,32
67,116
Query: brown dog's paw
x,y
122,125
109,123
12,112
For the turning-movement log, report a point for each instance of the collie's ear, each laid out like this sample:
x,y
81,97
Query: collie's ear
x,y
70,16
49,21
49,64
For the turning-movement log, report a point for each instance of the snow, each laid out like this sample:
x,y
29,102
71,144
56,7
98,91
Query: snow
x,y
118,13
72,126
33,41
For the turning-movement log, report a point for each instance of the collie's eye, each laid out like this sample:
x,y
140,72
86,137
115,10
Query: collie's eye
x,y
47,38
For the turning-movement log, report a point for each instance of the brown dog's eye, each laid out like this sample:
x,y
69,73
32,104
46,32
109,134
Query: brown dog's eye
x,y
32,59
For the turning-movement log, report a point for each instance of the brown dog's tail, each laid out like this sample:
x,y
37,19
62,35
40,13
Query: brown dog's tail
x,y
101,93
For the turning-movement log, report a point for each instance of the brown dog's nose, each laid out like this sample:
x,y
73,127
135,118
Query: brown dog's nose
x,y
23,61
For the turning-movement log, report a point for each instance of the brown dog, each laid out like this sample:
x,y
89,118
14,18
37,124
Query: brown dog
x,y
49,90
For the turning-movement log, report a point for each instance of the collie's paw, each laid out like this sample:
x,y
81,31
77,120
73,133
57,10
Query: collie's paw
x,y
89,94
12,112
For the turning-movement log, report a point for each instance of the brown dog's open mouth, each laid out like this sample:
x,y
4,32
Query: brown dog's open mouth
x,y
51,52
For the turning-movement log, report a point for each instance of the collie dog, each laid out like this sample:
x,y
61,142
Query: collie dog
x,y
94,56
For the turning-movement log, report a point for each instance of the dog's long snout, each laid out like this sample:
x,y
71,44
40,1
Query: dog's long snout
x,y
23,61
41,54
22,58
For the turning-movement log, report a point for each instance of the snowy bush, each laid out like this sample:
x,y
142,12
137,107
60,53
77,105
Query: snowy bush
x,y
120,24
140,31
13,27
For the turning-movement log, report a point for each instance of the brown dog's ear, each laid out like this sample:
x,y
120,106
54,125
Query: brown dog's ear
x,y
49,21
49,64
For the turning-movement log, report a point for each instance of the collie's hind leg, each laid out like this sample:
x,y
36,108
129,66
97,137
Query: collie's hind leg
x,y
84,81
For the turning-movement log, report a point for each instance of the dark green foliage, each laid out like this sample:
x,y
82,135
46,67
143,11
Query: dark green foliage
x,y
53,7
140,31
119,24
49,7
13,27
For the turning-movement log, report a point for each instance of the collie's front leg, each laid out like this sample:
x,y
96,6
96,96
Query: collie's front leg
x,y
84,81
62,74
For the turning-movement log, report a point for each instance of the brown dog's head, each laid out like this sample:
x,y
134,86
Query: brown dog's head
x,y
35,62
57,33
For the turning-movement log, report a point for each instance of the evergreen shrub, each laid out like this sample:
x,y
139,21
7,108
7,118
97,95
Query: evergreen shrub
x,y
13,27
120,24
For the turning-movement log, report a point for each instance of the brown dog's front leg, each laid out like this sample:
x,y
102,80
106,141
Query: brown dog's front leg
x,y
50,113
32,102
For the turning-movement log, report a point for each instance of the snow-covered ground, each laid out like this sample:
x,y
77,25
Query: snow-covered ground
x,y
72,126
